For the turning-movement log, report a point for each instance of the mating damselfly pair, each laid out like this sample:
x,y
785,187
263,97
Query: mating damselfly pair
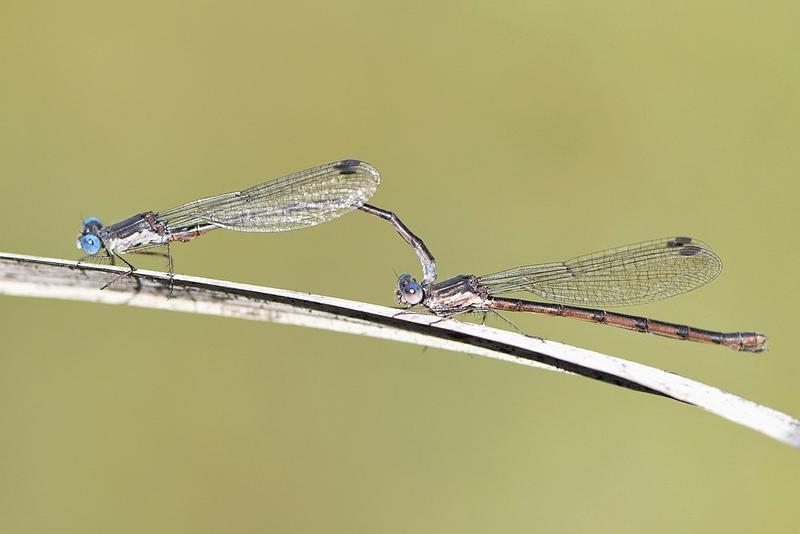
x,y
632,274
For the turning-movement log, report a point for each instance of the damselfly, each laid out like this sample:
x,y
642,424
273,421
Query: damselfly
x,y
632,274
299,200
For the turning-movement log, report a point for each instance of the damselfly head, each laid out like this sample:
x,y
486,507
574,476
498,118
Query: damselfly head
x,y
89,241
409,292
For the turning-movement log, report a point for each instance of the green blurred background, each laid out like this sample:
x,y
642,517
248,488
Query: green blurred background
x,y
506,133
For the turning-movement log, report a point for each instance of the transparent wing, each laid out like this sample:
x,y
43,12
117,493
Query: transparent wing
x,y
633,274
305,198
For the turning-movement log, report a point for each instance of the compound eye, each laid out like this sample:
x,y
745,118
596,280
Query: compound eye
x,y
412,293
91,225
92,220
90,244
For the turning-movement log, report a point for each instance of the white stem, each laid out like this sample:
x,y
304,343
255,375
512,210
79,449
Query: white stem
x,y
63,279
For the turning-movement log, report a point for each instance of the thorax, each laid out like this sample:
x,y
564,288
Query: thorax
x,y
458,293
134,232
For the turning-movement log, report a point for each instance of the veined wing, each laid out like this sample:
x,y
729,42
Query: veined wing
x,y
301,199
632,274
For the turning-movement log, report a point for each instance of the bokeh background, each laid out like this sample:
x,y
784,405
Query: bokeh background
x,y
506,133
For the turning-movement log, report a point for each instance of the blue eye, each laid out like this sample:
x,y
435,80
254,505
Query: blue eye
x,y
91,225
409,291
90,244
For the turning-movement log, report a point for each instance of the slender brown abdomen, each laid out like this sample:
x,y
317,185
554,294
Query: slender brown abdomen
x,y
745,341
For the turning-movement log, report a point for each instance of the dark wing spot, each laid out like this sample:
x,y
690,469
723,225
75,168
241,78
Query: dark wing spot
x,y
690,250
679,241
347,166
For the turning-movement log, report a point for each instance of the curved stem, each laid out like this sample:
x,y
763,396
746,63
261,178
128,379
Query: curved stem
x,y
63,279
